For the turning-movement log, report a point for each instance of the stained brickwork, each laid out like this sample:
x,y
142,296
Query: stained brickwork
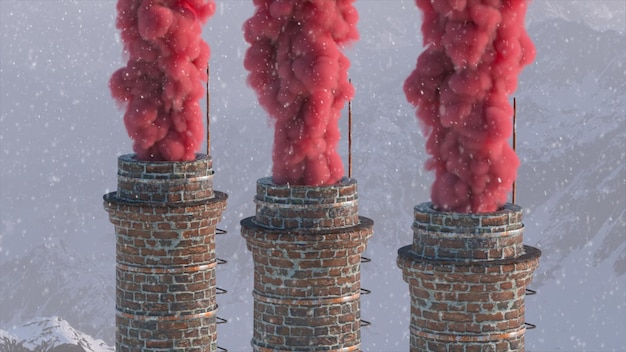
x,y
306,244
164,182
467,276
165,215
311,208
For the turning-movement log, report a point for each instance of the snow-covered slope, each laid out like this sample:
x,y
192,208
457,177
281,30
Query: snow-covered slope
x,y
572,129
50,334
600,15
56,281
572,183
60,134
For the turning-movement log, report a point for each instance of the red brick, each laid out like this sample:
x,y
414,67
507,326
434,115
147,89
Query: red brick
x,y
490,291
319,265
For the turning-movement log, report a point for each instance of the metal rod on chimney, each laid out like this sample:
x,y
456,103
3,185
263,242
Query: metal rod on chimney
x,y
514,195
208,115
350,135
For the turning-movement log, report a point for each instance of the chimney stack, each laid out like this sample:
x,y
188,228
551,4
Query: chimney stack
x,y
467,276
306,243
165,215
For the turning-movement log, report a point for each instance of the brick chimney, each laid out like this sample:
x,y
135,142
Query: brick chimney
x,y
306,243
165,215
467,276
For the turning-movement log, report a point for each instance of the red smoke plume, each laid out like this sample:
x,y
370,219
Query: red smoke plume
x,y
301,79
162,81
475,51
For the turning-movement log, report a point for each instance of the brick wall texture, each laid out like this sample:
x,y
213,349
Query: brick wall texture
x,y
306,244
165,215
467,276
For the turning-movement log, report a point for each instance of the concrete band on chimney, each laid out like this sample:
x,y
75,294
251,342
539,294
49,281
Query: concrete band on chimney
x,y
165,215
306,243
467,276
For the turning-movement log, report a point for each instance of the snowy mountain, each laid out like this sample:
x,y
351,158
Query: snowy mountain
x,y
60,134
599,15
573,135
49,335
56,281
572,183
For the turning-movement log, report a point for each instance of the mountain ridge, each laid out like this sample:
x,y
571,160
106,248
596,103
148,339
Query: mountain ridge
x,y
50,334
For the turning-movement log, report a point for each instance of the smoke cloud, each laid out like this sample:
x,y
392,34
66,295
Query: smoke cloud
x,y
161,85
300,77
475,50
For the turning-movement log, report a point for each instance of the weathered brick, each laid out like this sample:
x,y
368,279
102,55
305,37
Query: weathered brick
x,y
308,275
467,275
150,216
